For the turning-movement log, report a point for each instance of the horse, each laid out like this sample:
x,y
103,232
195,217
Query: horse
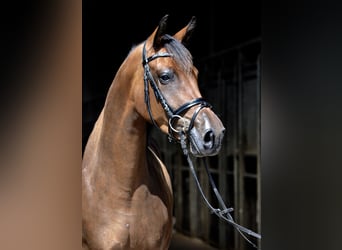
x,y
127,197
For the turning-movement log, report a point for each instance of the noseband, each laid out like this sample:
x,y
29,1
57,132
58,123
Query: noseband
x,y
170,112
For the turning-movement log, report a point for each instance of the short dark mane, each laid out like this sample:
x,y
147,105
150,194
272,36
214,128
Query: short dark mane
x,y
180,53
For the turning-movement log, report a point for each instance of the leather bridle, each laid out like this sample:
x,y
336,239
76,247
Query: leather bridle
x,y
172,114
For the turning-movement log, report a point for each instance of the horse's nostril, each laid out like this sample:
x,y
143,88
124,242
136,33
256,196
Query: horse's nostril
x,y
209,139
208,136
223,131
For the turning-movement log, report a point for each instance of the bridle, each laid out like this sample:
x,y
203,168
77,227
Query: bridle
x,y
183,134
170,112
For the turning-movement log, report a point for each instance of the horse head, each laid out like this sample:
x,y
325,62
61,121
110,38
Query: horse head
x,y
177,106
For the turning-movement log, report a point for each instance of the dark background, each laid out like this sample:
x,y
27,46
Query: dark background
x,y
110,30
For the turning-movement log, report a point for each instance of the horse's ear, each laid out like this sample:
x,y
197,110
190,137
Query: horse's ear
x,y
185,34
159,32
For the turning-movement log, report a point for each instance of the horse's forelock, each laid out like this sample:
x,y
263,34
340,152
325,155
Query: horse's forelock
x,y
180,53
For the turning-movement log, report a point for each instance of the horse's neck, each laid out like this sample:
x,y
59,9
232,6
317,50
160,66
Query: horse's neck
x,y
121,143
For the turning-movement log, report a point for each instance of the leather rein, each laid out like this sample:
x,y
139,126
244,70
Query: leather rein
x,y
183,134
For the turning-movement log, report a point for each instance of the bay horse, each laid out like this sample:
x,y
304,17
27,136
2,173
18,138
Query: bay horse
x,y
127,197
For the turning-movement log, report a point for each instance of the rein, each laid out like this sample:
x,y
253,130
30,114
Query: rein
x,y
223,213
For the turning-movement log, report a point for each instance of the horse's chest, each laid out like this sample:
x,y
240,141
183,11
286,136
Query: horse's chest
x,y
145,224
151,224
149,211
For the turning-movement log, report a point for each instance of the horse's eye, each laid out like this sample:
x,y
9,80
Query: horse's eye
x,y
165,78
